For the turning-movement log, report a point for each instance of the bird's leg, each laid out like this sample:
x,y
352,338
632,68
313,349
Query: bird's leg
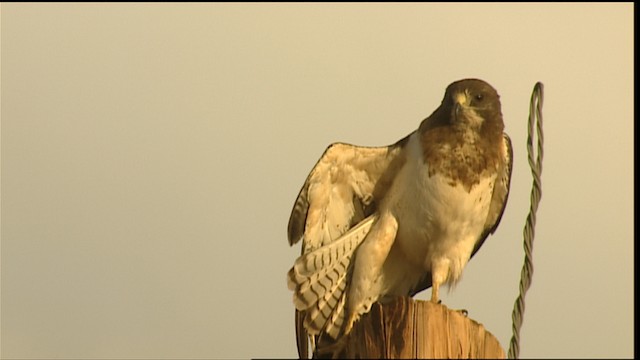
x,y
439,274
434,293
439,268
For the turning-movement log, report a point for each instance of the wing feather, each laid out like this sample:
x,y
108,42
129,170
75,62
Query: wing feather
x,y
500,194
338,192
338,195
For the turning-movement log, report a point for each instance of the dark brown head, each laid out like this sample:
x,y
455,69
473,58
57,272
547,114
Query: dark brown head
x,y
469,103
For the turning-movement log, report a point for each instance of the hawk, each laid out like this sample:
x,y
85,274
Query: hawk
x,y
380,222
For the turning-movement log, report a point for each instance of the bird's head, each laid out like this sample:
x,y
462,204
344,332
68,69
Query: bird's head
x,y
470,101
468,104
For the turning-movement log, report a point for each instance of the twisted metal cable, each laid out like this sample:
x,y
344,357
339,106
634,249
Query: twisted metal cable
x,y
535,113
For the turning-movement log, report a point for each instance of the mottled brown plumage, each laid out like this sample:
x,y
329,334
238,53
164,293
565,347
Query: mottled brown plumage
x,y
445,130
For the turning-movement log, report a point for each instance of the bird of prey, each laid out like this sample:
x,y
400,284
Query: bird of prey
x,y
380,222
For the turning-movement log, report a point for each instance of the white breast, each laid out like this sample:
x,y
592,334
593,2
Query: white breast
x,y
438,223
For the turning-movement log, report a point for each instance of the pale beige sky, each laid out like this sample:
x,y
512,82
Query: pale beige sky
x,y
151,155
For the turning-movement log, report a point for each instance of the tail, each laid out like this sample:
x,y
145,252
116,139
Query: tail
x,y
319,280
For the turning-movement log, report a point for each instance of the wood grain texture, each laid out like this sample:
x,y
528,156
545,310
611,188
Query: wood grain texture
x,y
407,328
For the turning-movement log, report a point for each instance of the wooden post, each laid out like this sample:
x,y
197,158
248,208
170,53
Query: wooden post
x,y
407,328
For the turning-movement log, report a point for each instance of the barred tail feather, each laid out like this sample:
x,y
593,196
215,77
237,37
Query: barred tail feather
x,y
319,280
322,310
334,325
328,255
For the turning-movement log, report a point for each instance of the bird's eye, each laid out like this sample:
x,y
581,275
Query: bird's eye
x,y
479,97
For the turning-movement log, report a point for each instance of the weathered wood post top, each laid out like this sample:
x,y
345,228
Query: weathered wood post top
x,y
408,328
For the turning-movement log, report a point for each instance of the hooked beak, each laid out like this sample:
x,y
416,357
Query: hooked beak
x,y
459,101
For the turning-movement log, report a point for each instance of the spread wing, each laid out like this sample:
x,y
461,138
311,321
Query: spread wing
x,y
339,194
496,208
